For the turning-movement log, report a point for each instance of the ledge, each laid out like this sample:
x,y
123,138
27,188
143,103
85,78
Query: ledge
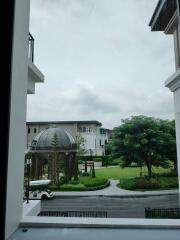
x,y
173,82
122,223
34,72
32,208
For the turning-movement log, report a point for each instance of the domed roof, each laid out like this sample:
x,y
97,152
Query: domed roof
x,y
45,139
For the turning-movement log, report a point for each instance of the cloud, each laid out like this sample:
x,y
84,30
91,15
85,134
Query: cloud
x,y
100,61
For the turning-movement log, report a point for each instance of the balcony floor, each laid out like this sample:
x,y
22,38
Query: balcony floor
x,y
95,234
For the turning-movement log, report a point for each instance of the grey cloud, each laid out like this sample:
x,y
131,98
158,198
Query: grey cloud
x,y
100,60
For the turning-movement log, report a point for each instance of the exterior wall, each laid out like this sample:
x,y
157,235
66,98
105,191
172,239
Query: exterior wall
x,y
17,117
173,83
177,121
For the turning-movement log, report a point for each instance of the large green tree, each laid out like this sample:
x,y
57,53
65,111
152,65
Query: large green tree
x,y
143,140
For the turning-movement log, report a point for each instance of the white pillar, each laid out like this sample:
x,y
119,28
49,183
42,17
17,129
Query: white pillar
x,y
177,121
14,200
173,83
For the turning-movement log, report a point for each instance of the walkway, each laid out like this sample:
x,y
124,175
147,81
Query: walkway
x,y
113,190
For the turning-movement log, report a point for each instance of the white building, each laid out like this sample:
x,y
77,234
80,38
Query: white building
x,y
24,75
166,18
94,135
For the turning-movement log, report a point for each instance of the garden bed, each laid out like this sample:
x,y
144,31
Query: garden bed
x,y
84,184
143,184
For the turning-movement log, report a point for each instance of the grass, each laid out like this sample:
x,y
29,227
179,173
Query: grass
x,y
117,173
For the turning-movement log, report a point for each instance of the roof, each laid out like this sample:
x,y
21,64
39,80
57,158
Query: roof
x,y
162,15
44,140
63,122
39,182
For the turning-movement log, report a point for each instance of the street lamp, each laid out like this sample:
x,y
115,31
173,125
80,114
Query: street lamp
x,y
28,164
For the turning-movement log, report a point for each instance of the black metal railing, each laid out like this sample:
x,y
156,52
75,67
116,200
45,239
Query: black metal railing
x,y
168,213
31,48
86,214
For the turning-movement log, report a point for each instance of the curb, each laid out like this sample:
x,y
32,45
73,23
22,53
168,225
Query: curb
x,y
117,196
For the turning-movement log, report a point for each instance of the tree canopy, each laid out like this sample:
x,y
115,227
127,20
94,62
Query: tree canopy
x,y
146,141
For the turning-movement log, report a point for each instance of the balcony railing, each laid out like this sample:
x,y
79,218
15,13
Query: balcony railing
x,y
31,48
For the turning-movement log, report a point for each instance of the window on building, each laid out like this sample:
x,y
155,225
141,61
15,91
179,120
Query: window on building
x,y
29,130
34,130
80,129
100,142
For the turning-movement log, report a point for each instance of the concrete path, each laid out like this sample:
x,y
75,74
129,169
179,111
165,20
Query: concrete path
x,y
113,190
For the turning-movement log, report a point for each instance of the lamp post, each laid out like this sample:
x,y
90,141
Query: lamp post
x,y
28,164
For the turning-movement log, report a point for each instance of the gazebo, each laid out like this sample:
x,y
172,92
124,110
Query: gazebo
x,y
56,149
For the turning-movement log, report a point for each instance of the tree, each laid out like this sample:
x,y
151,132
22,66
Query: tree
x,y
141,140
81,150
80,141
55,163
170,142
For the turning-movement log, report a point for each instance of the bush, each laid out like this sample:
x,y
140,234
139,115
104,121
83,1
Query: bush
x,y
115,162
128,184
53,187
63,180
72,187
99,187
149,184
168,174
85,174
143,183
168,182
80,162
74,182
93,182
97,159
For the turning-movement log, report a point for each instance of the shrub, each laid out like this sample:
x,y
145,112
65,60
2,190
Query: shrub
x,y
128,184
63,180
80,162
143,183
72,187
94,182
85,174
149,184
99,187
115,162
74,182
97,159
53,187
168,174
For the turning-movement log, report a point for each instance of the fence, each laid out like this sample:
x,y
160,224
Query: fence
x,y
169,213
86,214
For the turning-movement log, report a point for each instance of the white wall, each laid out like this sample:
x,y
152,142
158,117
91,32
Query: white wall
x,y
17,117
177,120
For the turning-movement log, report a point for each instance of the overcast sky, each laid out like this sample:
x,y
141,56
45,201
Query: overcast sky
x,y
100,61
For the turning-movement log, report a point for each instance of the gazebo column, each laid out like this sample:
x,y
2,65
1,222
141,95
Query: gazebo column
x,y
33,166
36,167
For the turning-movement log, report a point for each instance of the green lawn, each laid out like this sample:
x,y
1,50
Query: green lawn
x,y
117,173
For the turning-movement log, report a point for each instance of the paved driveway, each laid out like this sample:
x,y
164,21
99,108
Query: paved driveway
x,y
131,207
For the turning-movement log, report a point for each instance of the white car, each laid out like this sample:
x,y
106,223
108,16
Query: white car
x,y
40,194
37,192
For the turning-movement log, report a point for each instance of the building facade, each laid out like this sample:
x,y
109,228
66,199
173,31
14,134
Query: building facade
x,y
91,131
166,18
24,75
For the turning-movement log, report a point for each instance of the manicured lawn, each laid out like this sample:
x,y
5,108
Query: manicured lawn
x,y
117,173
